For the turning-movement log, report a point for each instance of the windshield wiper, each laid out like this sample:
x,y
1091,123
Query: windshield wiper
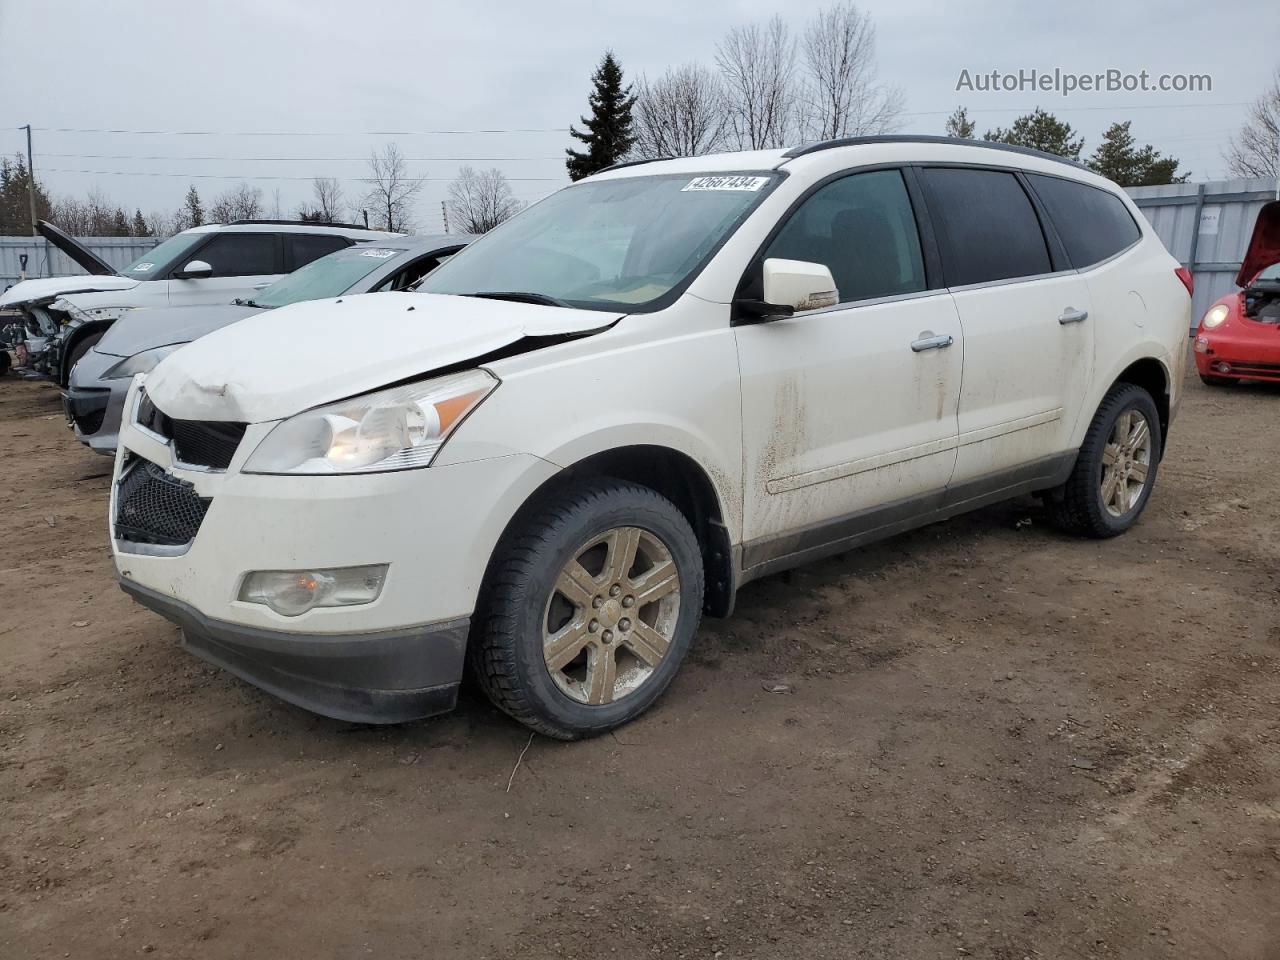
x,y
520,296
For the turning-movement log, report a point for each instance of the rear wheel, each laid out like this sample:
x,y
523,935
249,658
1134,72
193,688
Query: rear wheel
x,y
1115,469
589,610
1219,381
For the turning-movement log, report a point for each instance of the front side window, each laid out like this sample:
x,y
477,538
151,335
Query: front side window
x,y
329,276
159,260
620,244
987,228
1092,223
862,228
240,254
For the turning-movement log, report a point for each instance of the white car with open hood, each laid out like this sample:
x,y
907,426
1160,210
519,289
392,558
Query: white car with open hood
x,y
603,418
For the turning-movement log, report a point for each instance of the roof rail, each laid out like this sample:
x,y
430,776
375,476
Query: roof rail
x,y
300,223
632,163
808,148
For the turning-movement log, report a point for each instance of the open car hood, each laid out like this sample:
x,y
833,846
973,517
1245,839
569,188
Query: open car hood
x,y
88,261
48,288
1264,245
284,361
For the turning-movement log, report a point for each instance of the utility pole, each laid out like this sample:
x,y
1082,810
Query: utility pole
x,y
31,184
444,212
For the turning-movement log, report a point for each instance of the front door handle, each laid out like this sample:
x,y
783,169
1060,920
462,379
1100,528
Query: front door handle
x,y
931,343
1072,315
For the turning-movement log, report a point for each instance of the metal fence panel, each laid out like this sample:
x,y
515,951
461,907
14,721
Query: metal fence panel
x,y
44,260
1206,226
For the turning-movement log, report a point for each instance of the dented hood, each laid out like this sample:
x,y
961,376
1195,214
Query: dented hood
x,y
1264,245
288,360
46,288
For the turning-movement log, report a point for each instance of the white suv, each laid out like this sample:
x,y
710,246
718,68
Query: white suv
x,y
603,418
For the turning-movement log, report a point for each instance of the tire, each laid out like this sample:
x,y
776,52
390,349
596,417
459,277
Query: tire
x,y
1219,381
521,607
1078,506
83,345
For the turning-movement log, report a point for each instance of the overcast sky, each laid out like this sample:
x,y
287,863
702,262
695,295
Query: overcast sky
x,y
246,72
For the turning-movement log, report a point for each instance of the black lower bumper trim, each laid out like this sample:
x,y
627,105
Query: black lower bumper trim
x,y
386,677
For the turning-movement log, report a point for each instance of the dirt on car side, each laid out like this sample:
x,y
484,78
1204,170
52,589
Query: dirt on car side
x,y
980,739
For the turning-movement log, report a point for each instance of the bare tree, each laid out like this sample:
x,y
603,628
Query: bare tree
x,y
479,201
681,114
391,190
241,202
757,65
840,95
327,198
1255,149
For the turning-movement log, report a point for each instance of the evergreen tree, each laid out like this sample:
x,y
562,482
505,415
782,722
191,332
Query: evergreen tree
x,y
15,214
608,137
119,224
959,125
1040,130
1118,158
192,211
139,228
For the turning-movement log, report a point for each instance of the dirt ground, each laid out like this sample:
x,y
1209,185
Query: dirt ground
x,y
998,742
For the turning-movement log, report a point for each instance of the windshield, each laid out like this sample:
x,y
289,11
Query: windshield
x,y
327,277
609,245
157,260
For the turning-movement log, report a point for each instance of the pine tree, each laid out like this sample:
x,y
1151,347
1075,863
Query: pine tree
x,y
1040,130
608,137
192,211
119,223
959,125
139,228
15,213
1117,158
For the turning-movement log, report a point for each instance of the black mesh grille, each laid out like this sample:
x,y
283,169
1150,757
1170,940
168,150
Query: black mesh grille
x,y
154,507
202,443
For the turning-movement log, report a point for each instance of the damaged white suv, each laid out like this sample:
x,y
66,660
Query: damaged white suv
x,y
603,418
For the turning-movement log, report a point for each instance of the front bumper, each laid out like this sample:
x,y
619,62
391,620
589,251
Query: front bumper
x,y
94,406
1245,354
384,677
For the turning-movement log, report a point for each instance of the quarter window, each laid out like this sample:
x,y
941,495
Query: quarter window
x,y
862,228
987,228
241,254
312,246
1093,224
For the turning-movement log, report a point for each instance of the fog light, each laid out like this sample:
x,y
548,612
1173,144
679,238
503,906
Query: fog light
x,y
292,593
1222,367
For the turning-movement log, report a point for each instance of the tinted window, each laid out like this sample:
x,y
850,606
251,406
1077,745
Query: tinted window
x,y
240,254
313,246
167,255
862,228
1092,223
986,226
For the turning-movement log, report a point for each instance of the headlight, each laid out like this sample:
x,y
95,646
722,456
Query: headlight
x,y
1215,316
394,429
143,362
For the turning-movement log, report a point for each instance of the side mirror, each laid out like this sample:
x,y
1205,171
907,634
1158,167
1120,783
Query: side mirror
x,y
789,287
195,270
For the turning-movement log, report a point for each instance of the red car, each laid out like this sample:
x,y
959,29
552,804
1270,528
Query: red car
x,y
1239,336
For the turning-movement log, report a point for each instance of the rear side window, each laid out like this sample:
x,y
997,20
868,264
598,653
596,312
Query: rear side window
x,y
306,247
986,226
241,254
862,228
1092,223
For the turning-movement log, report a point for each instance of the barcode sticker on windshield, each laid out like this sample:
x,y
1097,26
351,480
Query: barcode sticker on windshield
x,y
380,254
731,182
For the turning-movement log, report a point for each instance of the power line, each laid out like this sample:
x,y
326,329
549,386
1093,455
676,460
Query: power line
x,y
216,176
299,133
129,156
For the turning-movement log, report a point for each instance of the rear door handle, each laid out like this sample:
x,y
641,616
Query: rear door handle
x,y
1072,315
931,343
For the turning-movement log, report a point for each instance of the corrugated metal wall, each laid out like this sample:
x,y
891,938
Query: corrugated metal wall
x,y
46,261
1206,226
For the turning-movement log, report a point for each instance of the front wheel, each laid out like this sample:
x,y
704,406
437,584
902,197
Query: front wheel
x,y
1115,469
589,609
